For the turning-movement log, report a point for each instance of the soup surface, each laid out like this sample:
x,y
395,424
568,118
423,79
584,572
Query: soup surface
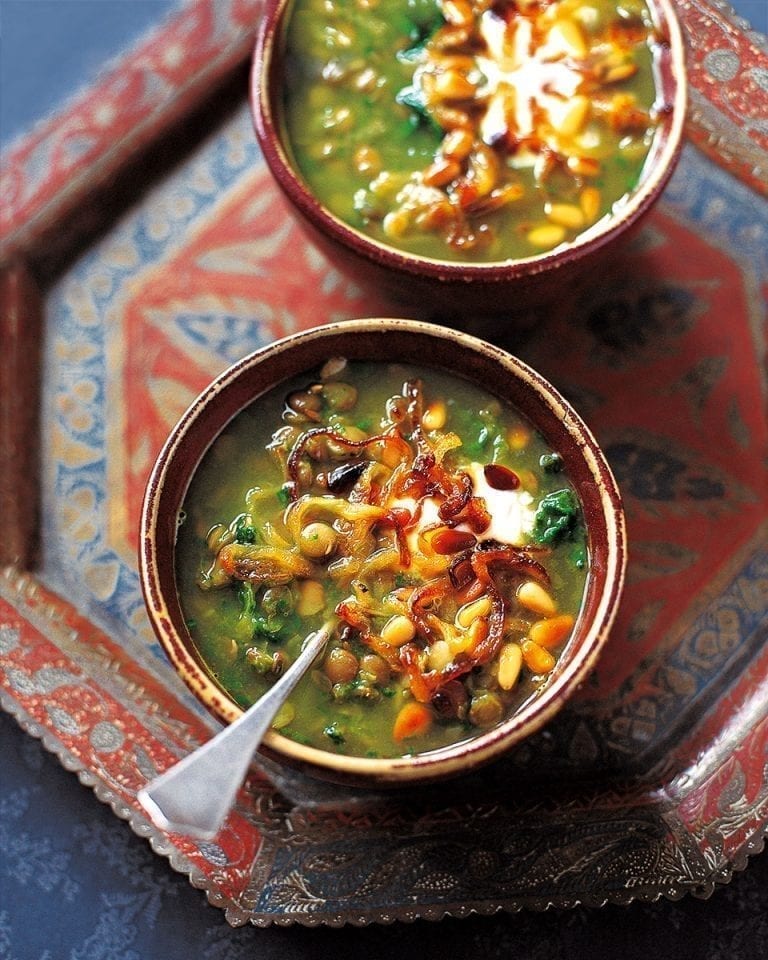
x,y
427,523
470,129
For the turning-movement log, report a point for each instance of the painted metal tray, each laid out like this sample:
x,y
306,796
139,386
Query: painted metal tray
x,y
144,248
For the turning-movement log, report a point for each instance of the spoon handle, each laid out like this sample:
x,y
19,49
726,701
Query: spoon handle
x,y
194,796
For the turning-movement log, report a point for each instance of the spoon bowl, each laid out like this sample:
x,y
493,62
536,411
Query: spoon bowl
x,y
194,796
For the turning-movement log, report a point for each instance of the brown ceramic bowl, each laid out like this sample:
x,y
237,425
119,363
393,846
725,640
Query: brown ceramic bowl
x,y
466,357
452,289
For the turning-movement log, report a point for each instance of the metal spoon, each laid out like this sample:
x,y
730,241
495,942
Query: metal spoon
x,y
195,795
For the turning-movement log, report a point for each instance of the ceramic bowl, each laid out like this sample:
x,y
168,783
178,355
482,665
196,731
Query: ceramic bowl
x,y
447,289
465,357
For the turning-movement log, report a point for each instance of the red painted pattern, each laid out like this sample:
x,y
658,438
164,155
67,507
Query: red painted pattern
x,y
137,98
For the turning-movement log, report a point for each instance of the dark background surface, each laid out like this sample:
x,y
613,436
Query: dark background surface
x,y
76,884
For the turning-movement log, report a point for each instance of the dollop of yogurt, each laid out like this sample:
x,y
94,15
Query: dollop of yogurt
x,y
512,512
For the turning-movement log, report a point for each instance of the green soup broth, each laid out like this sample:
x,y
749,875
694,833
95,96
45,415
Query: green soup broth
x,y
470,130
247,630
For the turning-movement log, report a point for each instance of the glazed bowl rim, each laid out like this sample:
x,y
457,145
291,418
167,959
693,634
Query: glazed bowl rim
x,y
658,167
445,761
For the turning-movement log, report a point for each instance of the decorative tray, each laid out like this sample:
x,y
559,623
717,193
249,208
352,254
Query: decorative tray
x,y
144,248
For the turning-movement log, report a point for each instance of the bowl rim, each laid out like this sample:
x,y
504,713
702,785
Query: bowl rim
x,y
463,755
670,70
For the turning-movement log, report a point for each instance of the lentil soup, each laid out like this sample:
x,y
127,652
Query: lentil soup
x,y
427,522
470,130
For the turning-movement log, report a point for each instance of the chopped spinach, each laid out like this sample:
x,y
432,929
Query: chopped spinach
x,y
333,733
556,517
245,531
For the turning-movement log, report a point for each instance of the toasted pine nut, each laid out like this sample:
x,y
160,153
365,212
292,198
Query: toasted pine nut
x,y
367,160
434,416
450,118
471,611
478,631
441,171
621,72
510,662
452,85
396,223
534,597
537,659
568,36
385,185
546,236
551,633
457,144
449,37
484,169
398,630
566,214
435,216
590,203
311,598
573,118
457,12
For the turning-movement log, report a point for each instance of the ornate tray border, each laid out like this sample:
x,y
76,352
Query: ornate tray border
x,y
73,158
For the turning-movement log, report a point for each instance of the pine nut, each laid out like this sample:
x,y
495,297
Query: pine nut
x,y
546,236
534,597
537,659
367,160
568,36
484,169
566,214
457,144
396,224
471,611
573,118
510,664
453,86
398,630
441,171
478,631
457,12
621,72
590,203
551,633
450,118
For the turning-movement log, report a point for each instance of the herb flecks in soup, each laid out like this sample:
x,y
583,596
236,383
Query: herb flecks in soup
x,y
427,522
470,129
